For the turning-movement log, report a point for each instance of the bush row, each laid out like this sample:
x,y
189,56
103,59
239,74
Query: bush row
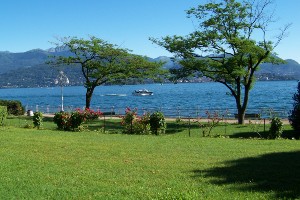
x,y
73,120
147,124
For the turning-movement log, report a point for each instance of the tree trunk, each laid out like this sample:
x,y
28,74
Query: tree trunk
x,y
241,115
88,96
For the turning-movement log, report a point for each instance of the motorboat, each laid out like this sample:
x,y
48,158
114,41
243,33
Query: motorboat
x,y
143,92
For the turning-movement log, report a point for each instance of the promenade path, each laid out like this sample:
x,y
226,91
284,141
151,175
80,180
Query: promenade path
x,y
230,121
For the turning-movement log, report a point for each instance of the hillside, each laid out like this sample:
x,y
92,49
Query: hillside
x,y
28,69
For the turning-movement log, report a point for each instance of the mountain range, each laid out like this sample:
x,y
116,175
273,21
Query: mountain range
x,y
29,69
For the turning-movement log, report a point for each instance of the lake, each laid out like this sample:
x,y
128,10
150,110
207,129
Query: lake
x,y
183,99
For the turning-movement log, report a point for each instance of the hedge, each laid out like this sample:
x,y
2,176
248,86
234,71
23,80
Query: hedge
x,y
14,107
3,115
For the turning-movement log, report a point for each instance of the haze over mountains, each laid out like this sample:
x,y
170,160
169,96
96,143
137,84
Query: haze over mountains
x,y
28,69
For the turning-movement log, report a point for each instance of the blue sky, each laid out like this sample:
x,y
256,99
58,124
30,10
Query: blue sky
x,y
31,24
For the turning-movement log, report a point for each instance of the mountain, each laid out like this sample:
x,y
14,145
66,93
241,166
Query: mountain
x,y
28,69
290,70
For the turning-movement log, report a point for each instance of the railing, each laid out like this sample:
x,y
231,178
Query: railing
x,y
177,112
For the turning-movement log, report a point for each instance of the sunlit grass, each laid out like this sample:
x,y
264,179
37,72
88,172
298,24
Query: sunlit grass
x,y
52,164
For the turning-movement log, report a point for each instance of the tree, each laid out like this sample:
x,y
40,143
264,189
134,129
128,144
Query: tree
x,y
225,36
294,117
102,62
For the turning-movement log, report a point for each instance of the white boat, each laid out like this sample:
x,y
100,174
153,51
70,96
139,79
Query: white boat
x,y
142,92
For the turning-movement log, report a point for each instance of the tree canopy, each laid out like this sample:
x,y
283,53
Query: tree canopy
x,y
102,62
228,46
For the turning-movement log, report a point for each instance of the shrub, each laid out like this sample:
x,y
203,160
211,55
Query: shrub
x,y
3,115
276,128
89,114
68,121
294,117
37,119
72,121
133,124
14,107
75,120
157,123
61,119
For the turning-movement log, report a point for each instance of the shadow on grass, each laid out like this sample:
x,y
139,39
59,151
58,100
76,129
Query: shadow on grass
x,y
276,172
47,119
287,134
173,128
106,124
115,126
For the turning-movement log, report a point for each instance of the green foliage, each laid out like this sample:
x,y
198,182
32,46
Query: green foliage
x,y
37,119
294,116
102,62
276,128
89,114
14,107
226,37
157,123
146,124
3,115
133,124
73,121
61,119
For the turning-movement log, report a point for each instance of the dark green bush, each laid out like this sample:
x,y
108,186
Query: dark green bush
x,y
14,107
37,119
157,123
294,117
276,128
3,115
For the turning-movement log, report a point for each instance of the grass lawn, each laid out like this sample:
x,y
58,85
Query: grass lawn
x,y
52,164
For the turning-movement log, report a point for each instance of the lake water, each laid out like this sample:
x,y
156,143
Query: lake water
x,y
173,99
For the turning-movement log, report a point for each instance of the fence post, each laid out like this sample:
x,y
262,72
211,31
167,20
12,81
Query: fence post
x,y
189,125
104,124
112,110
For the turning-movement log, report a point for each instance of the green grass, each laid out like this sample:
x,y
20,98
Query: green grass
x,y
52,164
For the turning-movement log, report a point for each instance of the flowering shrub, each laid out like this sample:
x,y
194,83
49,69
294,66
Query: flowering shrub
x,y
72,121
62,120
89,114
133,124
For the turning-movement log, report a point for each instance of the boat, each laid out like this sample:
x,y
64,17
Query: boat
x,y
143,92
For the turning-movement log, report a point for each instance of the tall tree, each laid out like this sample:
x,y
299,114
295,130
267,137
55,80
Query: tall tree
x,y
102,62
223,46
294,116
